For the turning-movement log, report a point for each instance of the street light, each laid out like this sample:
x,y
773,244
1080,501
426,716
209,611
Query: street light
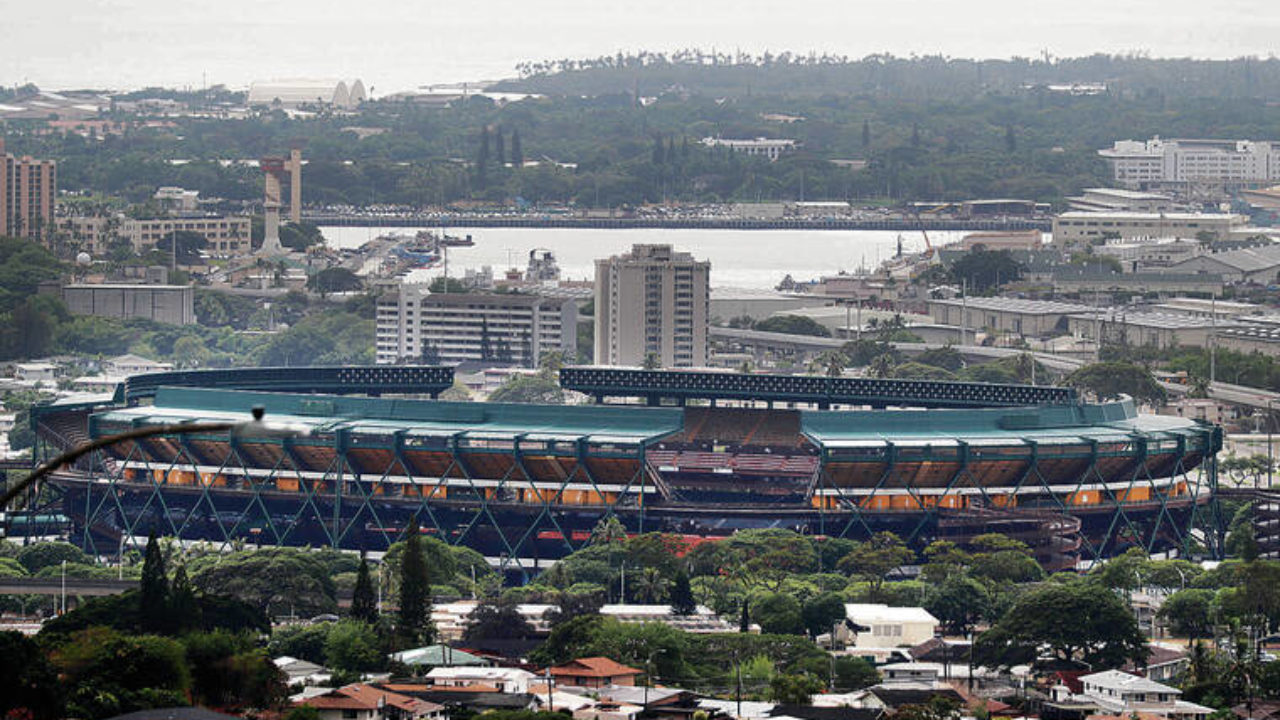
x,y
648,680
1271,463
254,428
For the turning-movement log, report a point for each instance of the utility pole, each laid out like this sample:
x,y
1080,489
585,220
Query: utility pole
x,y
1271,463
1213,338
551,703
738,661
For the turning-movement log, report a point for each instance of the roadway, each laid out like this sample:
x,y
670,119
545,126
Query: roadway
x,y
756,339
83,587
809,343
90,587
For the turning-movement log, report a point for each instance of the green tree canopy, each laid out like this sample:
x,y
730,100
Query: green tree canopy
x,y
793,325
982,269
335,280
275,580
50,554
1074,620
1110,380
778,614
352,646
415,589
1189,612
959,602
364,599
534,389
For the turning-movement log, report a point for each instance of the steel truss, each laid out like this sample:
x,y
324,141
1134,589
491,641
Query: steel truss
x,y
237,498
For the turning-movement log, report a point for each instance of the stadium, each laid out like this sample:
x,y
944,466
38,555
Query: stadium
x,y
699,454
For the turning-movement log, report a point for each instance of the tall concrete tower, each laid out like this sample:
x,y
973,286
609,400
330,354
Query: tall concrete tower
x,y
272,173
295,181
652,300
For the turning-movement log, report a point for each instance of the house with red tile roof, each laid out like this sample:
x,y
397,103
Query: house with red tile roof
x,y
366,702
593,672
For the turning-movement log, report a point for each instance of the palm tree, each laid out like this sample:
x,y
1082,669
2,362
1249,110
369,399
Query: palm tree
x,y
651,586
881,366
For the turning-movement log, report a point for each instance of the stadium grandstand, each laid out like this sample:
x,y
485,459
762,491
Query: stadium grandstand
x,y
700,454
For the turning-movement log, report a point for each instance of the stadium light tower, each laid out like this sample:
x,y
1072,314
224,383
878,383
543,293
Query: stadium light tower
x,y
255,428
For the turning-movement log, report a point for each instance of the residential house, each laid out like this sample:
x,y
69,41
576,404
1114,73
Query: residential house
x,y
1120,693
608,711
439,656
36,373
1164,663
504,680
659,703
367,702
888,627
702,620
593,672
476,698
130,364
301,672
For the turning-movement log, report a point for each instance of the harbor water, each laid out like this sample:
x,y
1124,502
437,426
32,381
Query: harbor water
x,y
739,258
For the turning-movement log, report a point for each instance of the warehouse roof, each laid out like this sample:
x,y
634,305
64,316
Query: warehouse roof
x,y
1017,305
1251,259
1157,320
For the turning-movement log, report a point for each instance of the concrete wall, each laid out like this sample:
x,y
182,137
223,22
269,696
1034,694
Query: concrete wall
x,y
172,304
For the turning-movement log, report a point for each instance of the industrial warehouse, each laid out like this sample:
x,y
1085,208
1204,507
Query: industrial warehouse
x,y
699,454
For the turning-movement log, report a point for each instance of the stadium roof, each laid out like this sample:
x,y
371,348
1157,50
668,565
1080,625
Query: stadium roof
x,y
630,425
655,385
1109,422
619,424
338,380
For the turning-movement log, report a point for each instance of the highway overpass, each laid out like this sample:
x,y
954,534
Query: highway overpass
x,y
759,341
90,587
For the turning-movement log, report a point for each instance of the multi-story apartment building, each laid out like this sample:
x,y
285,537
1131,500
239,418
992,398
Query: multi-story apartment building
x,y
416,325
1158,163
227,235
28,191
90,233
766,147
652,301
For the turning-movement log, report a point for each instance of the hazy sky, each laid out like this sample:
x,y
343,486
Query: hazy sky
x,y
395,45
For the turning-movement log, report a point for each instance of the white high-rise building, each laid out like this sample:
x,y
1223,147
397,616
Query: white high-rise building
x,y
415,325
1159,163
652,301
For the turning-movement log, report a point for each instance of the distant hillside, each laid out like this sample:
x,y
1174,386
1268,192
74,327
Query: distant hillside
x,y
922,77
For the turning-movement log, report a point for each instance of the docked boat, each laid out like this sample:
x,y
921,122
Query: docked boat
x,y
417,253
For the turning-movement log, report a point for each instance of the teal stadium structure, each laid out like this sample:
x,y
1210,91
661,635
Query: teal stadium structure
x,y
698,454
